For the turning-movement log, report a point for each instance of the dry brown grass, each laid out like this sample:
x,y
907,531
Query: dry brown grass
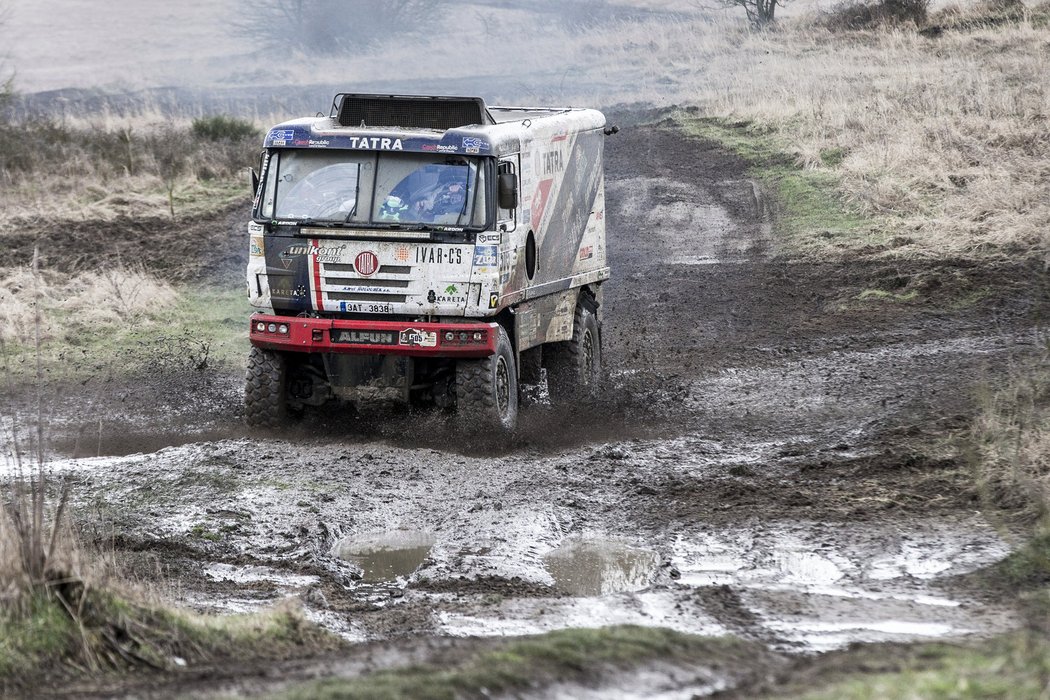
x,y
1012,435
105,166
117,297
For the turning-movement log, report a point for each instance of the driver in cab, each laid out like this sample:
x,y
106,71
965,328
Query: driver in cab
x,y
450,197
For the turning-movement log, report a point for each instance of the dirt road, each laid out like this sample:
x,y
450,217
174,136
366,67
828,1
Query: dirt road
x,y
768,460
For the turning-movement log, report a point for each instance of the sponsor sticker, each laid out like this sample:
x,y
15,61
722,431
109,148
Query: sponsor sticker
x,y
289,292
488,237
438,255
281,137
358,337
493,300
418,338
366,263
587,252
473,144
255,247
323,254
486,256
451,295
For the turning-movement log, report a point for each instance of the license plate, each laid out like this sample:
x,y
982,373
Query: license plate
x,y
364,337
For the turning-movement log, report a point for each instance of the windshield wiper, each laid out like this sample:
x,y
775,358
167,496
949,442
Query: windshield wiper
x,y
320,224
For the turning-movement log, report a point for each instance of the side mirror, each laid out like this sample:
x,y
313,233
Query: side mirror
x,y
508,191
254,181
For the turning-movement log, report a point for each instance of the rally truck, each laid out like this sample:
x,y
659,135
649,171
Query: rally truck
x,y
429,250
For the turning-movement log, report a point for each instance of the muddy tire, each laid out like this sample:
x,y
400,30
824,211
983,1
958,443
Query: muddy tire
x,y
487,389
574,366
266,389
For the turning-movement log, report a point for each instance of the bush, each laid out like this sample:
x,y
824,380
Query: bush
x,y
861,14
209,148
223,128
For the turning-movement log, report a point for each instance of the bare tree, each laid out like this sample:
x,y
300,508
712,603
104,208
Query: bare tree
x,y
320,27
171,158
761,13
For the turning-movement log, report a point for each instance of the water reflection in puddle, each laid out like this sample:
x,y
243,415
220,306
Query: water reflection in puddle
x,y
386,556
594,567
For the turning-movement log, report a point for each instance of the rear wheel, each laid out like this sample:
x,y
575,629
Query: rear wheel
x,y
266,389
487,389
574,366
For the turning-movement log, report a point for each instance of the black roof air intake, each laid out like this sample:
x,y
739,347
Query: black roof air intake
x,y
410,111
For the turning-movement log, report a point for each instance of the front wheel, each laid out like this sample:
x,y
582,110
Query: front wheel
x,y
266,389
487,389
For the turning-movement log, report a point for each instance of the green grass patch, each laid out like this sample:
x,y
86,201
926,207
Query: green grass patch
x,y
529,663
35,637
1025,568
72,629
810,215
198,327
1010,666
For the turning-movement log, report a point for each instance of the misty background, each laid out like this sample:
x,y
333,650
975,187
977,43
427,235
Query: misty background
x,y
275,57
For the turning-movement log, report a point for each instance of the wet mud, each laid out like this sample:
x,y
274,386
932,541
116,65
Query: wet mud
x,y
768,458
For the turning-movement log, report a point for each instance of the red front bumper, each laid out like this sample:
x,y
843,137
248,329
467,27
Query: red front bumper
x,y
373,337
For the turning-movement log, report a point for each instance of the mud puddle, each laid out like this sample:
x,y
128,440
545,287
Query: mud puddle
x,y
584,566
386,557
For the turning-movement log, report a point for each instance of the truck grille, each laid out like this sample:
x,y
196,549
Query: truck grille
x,y
390,283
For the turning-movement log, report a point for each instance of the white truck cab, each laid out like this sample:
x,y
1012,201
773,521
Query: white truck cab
x,y
425,249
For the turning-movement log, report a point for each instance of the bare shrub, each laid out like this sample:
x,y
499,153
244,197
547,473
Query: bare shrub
x,y
35,548
170,159
981,15
117,297
866,14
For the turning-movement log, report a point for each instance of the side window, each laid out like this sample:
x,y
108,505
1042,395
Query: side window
x,y
506,216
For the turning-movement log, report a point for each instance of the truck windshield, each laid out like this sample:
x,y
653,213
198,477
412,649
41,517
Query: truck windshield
x,y
367,187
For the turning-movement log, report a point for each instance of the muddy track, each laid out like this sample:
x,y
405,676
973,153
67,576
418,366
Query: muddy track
x,y
768,459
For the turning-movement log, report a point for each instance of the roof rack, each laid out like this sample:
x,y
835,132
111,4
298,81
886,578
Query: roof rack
x,y
409,111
